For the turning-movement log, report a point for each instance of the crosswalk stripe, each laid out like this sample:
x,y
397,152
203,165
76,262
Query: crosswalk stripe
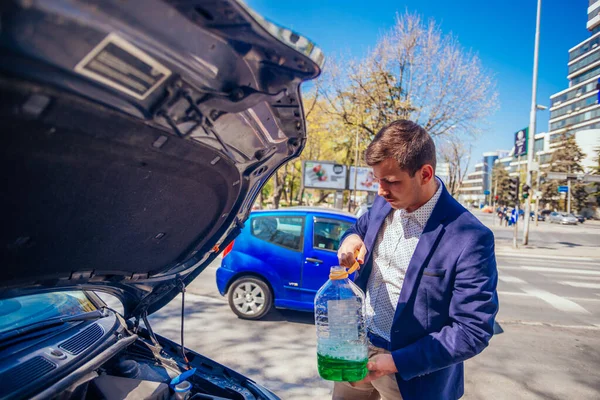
x,y
587,285
586,278
538,256
555,270
560,303
510,279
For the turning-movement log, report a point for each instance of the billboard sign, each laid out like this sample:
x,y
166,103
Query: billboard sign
x,y
324,175
521,142
364,181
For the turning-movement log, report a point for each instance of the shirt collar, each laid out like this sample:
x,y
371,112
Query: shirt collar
x,y
422,214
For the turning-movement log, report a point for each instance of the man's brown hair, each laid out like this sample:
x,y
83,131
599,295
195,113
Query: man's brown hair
x,y
406,142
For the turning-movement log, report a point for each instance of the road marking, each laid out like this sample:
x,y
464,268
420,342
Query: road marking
x,y
549,257
584,278
554,270
593,327
560,303
520,294
502,293
510,279
587,285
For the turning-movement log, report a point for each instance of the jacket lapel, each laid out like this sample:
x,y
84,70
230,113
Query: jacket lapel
x,y
425,248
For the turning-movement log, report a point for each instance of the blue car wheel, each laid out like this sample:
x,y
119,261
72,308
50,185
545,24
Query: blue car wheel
x,y
250,297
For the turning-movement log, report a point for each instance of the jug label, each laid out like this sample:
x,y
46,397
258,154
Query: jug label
x,y
342,318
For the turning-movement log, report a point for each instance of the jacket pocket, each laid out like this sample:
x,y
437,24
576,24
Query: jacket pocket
x,y
439,273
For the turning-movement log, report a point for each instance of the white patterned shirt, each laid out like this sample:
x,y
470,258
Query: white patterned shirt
x,y
396,242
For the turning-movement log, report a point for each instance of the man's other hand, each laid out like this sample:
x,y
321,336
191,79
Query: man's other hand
x,y
346,251
378,366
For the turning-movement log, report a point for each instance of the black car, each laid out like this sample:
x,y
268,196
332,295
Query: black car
x,y
580,218
136,138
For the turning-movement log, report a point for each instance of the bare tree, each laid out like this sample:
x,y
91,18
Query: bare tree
x,y
414,72
456,154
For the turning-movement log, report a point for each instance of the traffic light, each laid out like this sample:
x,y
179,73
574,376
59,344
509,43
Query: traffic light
x,y
525,190
513,189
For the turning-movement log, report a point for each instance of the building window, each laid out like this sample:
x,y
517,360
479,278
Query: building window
x,y
538,145
584,48
545,158
574,107
584,62
575,119
586,75
580,91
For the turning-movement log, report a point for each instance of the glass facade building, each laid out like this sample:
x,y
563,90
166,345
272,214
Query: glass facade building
x,y
575,110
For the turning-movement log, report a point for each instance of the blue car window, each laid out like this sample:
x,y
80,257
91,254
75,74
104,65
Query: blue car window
x,y
282,231
328,232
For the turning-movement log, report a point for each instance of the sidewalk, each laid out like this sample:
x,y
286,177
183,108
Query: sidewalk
x,y
551,240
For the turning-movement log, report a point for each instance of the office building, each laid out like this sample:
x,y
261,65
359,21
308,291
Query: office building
x,y
576,110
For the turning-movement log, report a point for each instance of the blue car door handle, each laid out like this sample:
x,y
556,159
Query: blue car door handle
x,y
315,260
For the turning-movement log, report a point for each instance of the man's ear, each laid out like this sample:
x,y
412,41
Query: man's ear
x,y
427,174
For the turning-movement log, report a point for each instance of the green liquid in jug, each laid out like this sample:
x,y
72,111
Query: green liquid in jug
x,y
335,369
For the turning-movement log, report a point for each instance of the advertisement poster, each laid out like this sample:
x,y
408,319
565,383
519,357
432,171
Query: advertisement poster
x,y
364,181
521,142
324,175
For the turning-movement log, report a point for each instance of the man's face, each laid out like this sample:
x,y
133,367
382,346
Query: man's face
x,y
396,186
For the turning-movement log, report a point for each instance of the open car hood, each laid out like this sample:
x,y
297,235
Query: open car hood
x,y
136,138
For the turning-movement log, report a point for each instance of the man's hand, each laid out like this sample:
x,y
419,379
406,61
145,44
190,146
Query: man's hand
x,y
349,246
380,365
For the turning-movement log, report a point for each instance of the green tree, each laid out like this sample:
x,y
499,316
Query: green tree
x,y
567,158
500,184
414,72
595,190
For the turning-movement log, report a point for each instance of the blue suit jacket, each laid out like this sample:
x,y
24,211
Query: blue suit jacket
x,y
448,302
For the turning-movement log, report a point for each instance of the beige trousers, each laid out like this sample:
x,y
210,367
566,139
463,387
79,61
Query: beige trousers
x,y
384,388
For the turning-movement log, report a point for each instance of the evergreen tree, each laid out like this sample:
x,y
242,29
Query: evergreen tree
x,y
567,158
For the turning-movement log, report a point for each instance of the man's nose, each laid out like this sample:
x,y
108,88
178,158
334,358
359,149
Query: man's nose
x,y
381,191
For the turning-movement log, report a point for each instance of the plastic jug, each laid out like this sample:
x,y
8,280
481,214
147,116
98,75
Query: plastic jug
x,y
342,349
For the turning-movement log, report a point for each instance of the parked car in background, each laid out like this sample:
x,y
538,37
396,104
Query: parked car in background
x,y
580,218
540,217
281,258
563,218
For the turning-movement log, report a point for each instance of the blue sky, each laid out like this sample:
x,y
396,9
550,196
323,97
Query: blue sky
x,y
501,32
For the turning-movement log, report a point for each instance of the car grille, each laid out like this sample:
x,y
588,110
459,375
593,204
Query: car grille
x,y
82,340
24,374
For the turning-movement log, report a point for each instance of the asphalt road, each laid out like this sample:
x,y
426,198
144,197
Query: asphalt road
x,y
547,344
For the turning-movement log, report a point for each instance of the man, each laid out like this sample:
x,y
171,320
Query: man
x,y
428,271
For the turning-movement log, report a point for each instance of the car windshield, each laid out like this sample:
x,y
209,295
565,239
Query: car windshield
x,y
26,310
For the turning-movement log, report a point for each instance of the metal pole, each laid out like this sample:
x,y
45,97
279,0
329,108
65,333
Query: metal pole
x,y
495,203
516,229
532,115
355,166
537,198
569,192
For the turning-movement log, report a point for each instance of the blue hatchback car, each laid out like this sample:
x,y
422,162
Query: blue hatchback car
x,y
281,258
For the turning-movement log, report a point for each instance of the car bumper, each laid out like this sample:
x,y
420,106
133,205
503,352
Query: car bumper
x,y
224,276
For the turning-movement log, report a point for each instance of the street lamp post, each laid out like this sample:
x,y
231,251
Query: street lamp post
x,y
532,117
355,166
